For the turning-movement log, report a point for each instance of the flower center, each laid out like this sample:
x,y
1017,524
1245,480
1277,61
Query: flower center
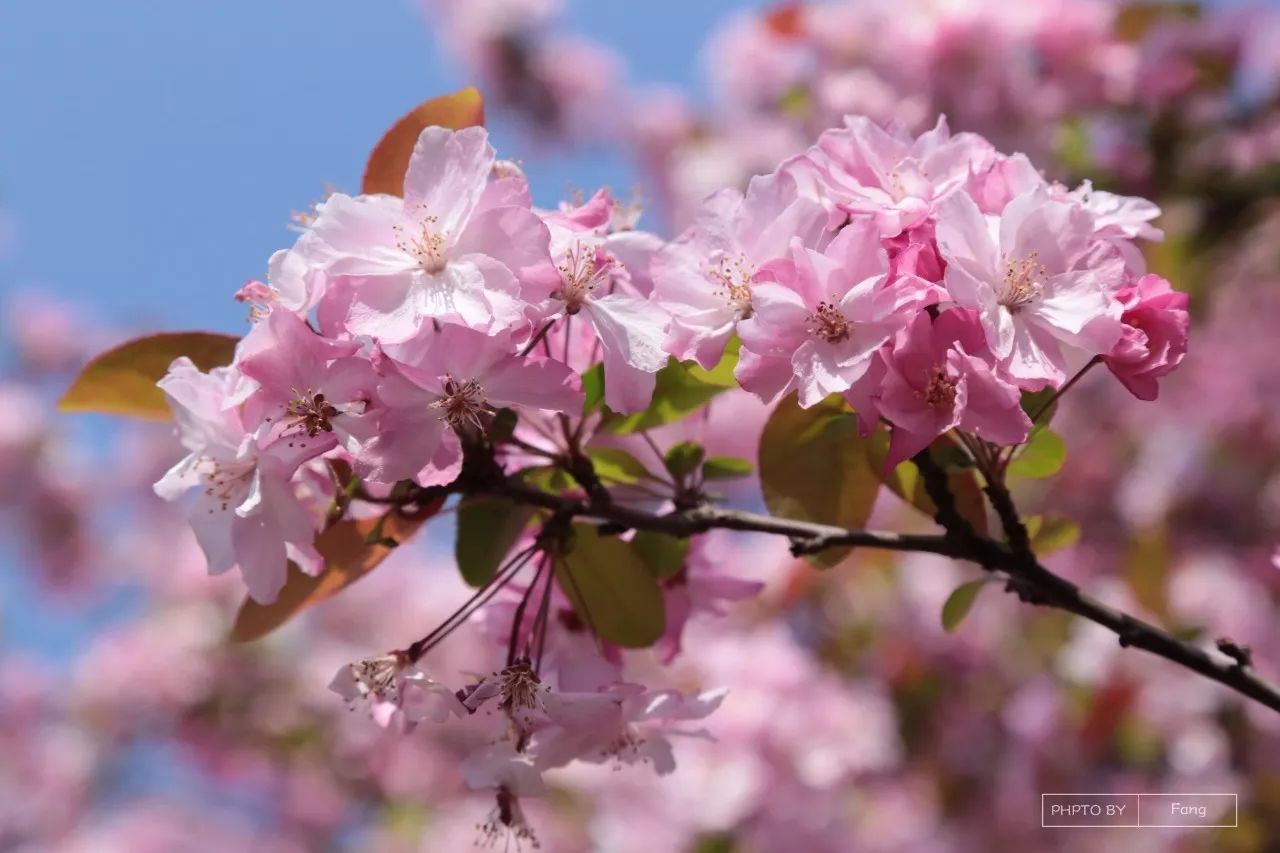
x,y
734,285
1022,283
940,393
828,323
226,482
520,688
312,412
427,246
581,270
379,677
462,403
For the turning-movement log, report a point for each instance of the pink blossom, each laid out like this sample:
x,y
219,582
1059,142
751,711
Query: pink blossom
x,y
937,381
637,731
704,279
820,317
863,169
308,384
247,513
1154,341
1021,272
397,692
456,378
453,248
595,284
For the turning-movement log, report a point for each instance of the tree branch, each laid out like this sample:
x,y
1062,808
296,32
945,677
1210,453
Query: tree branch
x,y
1027,577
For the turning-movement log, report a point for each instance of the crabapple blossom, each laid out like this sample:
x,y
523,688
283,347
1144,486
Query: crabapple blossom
x,y
1154,339
396,691
820,317
309,384
1023,273
246,514
597,285
936,380
454,248
704,278
454,378
863,169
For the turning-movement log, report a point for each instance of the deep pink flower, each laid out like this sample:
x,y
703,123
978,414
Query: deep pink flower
x,y
308,385
453,378
820,317
937,381
1154,341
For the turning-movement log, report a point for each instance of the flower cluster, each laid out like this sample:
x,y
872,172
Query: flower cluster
x,y
927,281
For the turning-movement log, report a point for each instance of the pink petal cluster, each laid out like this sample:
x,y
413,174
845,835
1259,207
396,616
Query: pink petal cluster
x,y
929,280
396,327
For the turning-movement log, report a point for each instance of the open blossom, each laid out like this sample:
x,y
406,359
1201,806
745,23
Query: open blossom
x,y
396,691
863,169
455,247
246,513
705,278
595,284
308,385
636,731
453,379
936,380
1026,275
820,317
1154,339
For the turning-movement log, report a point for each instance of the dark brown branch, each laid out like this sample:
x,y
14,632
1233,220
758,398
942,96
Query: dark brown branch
x,y
1026,576
1037,585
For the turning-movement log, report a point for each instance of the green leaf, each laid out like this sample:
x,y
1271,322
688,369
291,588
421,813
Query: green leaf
x,y
905,481
726,468
1041,456
612,588
487,528
592,388
122,380
814,467
548,478
347,559
1146,568
1034,402
616,465
679,390
959,603
1051,533
684,458
663,554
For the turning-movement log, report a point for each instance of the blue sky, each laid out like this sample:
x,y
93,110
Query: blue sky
x,y
151,152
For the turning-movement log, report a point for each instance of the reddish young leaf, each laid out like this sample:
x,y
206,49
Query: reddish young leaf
x,y
122,380
384,173
348,558
786,20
